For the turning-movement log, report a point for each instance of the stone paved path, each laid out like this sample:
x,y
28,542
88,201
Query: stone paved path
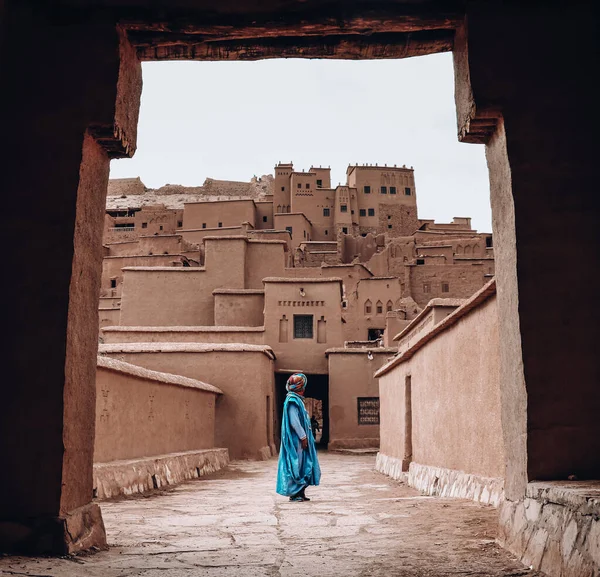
x,y
358,523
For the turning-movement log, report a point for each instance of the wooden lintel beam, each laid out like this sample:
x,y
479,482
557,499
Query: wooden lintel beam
x,y
152,46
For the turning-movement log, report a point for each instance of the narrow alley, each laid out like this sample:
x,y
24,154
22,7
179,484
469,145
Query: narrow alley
x,y
358,523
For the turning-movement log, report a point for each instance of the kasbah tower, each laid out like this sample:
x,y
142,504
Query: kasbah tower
x,y
282,273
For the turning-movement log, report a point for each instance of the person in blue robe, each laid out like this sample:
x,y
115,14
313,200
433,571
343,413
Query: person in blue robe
x,y
298,464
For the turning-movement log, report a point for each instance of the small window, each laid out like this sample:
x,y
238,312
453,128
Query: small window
x,y
389,306
203,225
326,232
179,223
113,283
307,185
488,242
371,212
289,228
392,190
445,287
264,219
303,326
351,212
283,189
368,410
345,230
367,190
368,307
426,287
389,226
362,212
379,308
325,212
384,190
319,183
344,208
220,225
144,225
389,217
304,233
299,185
278,208
407,191
420,261
160,227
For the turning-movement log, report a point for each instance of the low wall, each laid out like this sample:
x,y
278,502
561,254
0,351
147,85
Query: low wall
x,y
142,413
239,307
141,475
556,528
248,335
108,316
245,374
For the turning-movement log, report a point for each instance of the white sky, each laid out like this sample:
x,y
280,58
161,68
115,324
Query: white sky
x,y
233,120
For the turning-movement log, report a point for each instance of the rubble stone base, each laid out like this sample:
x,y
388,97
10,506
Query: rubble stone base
x,y
142,475
392,467
555,528
443,482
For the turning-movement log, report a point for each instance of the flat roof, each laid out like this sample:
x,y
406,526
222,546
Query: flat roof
x,y
181,329
284,279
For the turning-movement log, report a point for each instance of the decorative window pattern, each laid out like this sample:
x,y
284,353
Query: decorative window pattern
x,y
368,410
368,307
379,307
303,326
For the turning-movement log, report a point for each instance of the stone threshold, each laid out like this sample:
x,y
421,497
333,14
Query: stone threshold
x,y
128,477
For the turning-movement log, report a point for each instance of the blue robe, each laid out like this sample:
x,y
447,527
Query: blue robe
x,y
297,467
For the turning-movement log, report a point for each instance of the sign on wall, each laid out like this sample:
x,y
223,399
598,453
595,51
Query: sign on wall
x,y
368,410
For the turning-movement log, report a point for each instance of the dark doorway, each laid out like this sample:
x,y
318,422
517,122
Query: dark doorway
x,y
317,388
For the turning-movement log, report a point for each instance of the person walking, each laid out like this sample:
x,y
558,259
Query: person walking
x,y
298,465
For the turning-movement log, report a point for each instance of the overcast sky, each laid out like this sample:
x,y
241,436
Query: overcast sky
x,y
234,120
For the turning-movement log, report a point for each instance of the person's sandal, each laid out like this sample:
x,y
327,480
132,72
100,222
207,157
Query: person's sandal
x,y
297,498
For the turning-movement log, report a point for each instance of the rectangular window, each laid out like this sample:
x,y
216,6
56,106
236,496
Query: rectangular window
x,y
325,212
307,185
203,225
303,326
290,229
113,283
283,189
389,226
445,287
326,232
392,190
264,219
144,225
371,212
362,212
367,190
344,208
299,185
426,287
179,223
344,230
220,225
389,217
384,190
319,183
407,191
368,410
420,261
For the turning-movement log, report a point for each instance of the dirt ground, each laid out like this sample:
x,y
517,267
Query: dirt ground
x,y
358,523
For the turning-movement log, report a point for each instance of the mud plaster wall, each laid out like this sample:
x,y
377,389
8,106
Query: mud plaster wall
x,y
239,310
455,399
350,377
137,417
246,379
185,335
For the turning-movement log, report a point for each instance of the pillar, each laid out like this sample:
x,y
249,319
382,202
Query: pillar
x,y
72,89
